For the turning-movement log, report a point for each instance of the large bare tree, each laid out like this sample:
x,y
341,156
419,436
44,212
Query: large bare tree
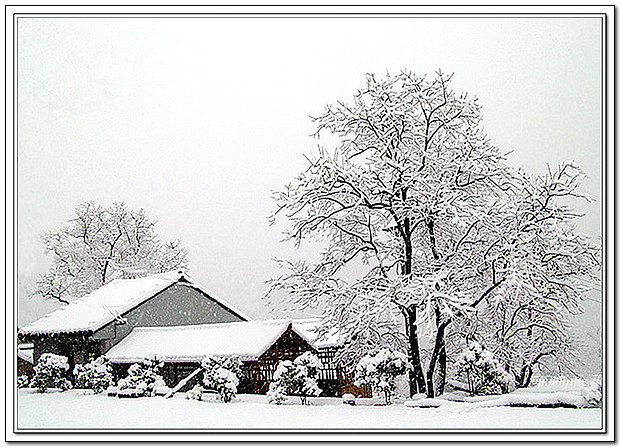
x,y
412,205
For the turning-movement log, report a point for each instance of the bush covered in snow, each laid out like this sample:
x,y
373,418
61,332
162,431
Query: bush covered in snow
x,y
593,393
195,393
23,381
221,374
297,378
349,399
143,377
483,372
380,370
50,372
96,375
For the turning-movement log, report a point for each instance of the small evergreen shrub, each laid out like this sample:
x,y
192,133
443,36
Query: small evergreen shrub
x,y
297,378
50,372
143,377
483,372
23,381
95,375
593,393
380,370
221,374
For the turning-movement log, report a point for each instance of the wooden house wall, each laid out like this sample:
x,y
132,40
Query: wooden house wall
x,y
77,347
256,375
24,368
288,347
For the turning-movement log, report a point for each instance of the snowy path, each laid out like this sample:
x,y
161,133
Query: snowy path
x,y
74,409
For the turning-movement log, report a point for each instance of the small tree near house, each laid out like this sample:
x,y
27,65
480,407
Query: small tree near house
x,y
381,370
483,372
95,375
297,378
50,372
222,375
143,377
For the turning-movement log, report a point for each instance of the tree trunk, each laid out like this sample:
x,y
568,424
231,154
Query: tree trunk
x,y
416,375
438,352
525,377
413,386
441,371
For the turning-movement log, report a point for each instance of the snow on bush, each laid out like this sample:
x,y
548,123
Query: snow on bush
x,y
23,381
195,393
49,372
380,370
96,375
221,374
143,377
297,378
483,372
348,399
593,393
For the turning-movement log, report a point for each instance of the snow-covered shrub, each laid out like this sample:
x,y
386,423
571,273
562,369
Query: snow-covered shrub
x,y
96,375
195,393
297,378
483,372
381,370
277,391
222,375
143,377
23,381
593,393
348,399
49,372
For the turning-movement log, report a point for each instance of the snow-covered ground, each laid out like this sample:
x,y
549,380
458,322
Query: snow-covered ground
x,y
76,409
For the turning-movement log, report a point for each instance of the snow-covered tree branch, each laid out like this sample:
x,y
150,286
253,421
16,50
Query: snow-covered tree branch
x,y
424,224
101,244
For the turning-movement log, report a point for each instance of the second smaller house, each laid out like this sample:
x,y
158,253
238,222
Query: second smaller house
x,y
259,344
25,360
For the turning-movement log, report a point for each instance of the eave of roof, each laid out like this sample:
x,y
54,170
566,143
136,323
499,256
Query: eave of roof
x,y
189,344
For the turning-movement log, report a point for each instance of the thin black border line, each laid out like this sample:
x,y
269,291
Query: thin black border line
x,y
604,226
15,176
15,124
315,6
328,431
291,15
15,17
6,289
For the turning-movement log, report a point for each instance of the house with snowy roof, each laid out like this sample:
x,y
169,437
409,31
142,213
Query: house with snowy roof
x,y
260,345
172,317
89,326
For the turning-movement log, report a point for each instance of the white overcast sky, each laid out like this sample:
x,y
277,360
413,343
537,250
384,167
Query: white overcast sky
x,y
198,119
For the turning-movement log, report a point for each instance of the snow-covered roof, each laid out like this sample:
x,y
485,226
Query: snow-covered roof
x,y
308,328
104,305
246,339
25,353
